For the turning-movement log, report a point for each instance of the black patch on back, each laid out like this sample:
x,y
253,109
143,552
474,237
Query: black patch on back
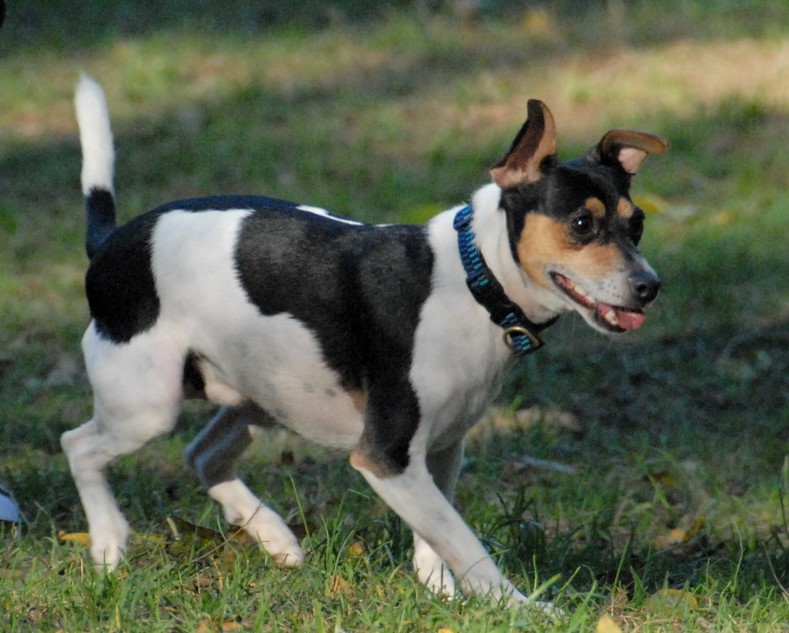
x,y
119,283
360,290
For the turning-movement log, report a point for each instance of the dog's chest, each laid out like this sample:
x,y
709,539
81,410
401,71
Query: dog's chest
x,y
459,365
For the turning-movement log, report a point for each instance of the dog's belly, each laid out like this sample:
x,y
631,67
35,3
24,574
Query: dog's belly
x,y
279,366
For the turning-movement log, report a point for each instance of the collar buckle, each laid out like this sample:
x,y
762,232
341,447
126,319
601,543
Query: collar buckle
x,y
521,340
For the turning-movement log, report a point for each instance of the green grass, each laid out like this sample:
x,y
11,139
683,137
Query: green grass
x,y
385,113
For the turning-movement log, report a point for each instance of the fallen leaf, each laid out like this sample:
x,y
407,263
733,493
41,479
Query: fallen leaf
x,y
606,624
671,600
181,529
340,585
206,626
144,538
356,549
80,538
689,528
504,421
209,625
202,581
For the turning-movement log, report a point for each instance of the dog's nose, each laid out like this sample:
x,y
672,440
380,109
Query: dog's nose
x,y
645,286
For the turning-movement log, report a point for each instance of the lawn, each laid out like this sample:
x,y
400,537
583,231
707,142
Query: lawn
x,y
641,483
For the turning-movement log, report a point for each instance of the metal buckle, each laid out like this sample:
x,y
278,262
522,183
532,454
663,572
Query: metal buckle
x,y
521,331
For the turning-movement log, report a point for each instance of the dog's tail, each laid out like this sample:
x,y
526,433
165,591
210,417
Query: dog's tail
x,y
98,162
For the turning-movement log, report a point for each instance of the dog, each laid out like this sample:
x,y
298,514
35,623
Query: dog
x,y
386,341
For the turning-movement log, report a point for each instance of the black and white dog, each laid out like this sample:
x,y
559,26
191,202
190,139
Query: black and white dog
x,y
385,341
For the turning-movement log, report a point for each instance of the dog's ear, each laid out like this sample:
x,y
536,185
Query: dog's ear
x,y
626,149
533,149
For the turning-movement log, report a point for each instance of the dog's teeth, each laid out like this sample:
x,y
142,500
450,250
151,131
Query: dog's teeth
x,y
610,316
579,293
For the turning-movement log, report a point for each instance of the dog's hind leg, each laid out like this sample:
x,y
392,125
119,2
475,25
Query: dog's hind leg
x,y
444,466
137,396
214,454
88,452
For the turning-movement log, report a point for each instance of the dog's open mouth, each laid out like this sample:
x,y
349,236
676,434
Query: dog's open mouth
x,y
612,318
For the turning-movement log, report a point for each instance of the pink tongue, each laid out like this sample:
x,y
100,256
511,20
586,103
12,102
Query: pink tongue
x,y
630,320
626,319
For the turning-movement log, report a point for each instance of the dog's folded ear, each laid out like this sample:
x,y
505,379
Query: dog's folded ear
x,y
626,149
532,151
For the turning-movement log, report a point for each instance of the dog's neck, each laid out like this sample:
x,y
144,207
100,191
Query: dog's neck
x,y
494,279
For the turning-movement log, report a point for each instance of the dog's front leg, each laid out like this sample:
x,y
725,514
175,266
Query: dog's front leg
x,y
444,466
415,497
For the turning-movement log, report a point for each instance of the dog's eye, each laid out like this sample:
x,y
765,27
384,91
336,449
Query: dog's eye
x,y
582,224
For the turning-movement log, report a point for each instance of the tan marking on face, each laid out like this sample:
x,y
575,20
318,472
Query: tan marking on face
x,y
596,261
543,240
596,206
625,208
545,243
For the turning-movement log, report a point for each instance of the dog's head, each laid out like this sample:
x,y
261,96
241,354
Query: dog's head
x,y
573,227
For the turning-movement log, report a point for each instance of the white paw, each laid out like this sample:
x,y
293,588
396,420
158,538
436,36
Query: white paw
x,y
268,528
265,526
432,571
107,544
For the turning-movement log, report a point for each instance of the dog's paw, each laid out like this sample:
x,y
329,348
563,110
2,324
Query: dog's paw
x,y
432,571
268,528
106,553
439,581
108,535
292,558
105,560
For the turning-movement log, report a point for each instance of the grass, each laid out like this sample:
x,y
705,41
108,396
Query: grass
x,y
673,514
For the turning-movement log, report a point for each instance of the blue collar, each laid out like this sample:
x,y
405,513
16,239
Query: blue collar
x,y
519,331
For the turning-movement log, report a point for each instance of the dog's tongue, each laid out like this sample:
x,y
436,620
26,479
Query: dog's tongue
x,y
625,319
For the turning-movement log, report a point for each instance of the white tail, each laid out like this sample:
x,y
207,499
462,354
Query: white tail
x,y
95,135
